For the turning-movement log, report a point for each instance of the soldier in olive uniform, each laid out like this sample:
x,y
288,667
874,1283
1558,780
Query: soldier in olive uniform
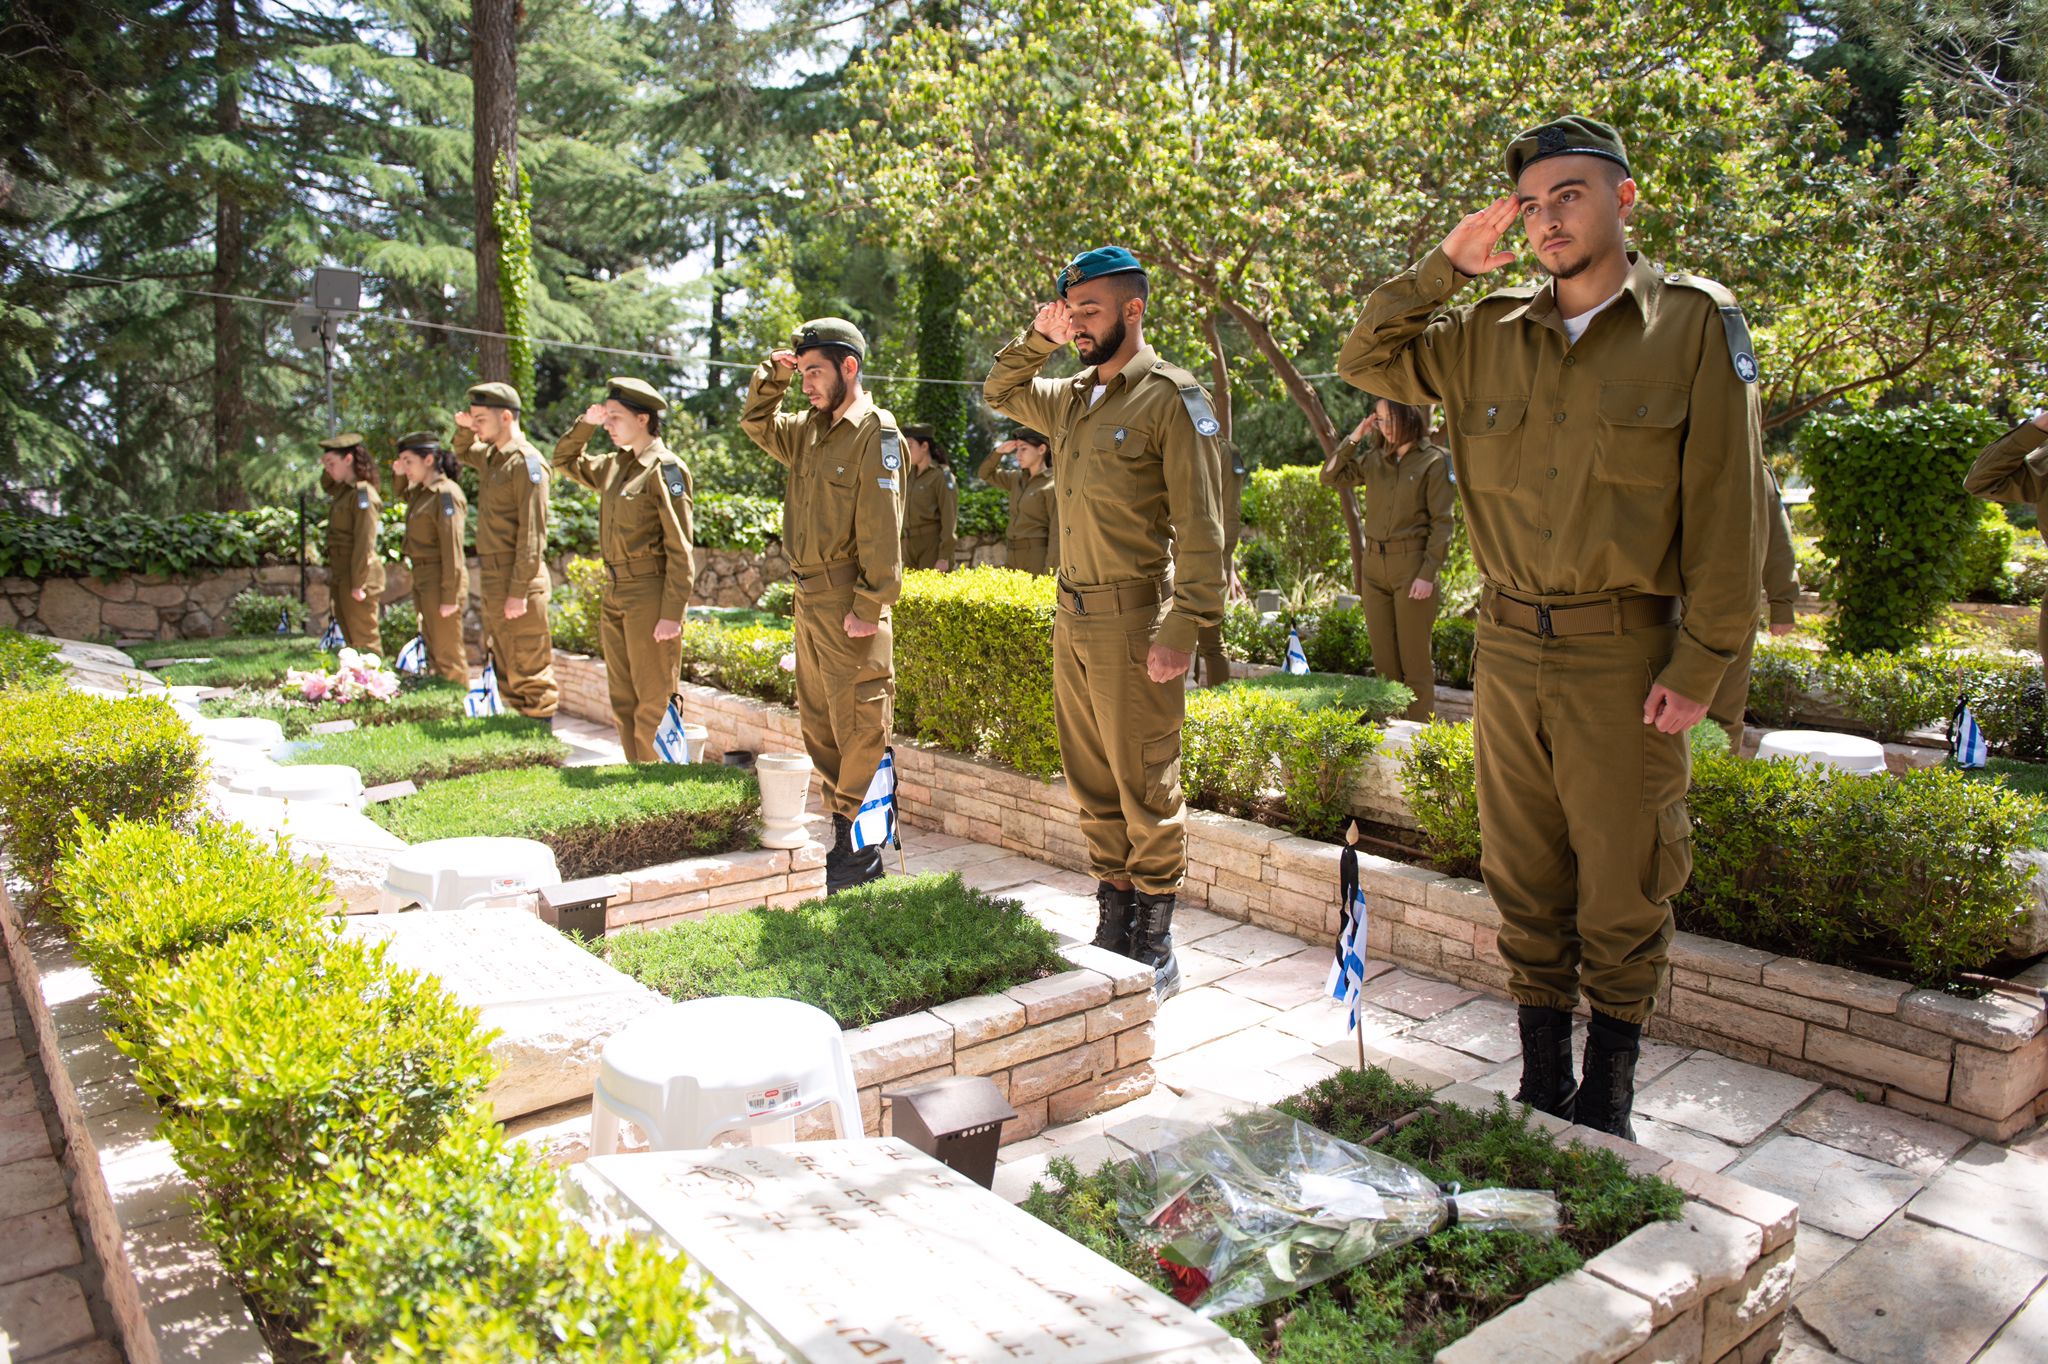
x,y
435,514
1141,574
644,533
931,502
1609,457
511,546
842,528
355,573
1212,665
1407,528
2014,468
1781,592
1029,543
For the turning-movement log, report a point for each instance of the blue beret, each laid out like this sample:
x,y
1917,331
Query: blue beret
x,y
1103,260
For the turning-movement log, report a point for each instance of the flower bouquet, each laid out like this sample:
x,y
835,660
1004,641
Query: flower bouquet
x,y
356,675
1243,1205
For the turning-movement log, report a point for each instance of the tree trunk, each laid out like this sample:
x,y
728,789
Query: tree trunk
x,y
230,407
494,77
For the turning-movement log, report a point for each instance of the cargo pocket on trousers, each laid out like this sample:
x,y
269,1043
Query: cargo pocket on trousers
x,y
1161,759
1671,865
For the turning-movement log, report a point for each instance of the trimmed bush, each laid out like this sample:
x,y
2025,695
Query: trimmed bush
x,y
983,511
1890,695
1441,784
1981,567
1335,640
974,665
735,520
419,700
1372,699
597,819
1320,752
260,660
436,750
256,613
1306,737
2029,570
1453,641
1300,519
66,756
105,547
745,659
575,611
2010,704
1781,678
878,951
397,624
28,662
779,599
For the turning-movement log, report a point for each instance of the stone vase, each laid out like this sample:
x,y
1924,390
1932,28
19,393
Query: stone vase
x,y
785,787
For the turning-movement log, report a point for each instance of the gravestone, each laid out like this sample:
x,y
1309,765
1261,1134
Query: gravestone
x,y
554,1004
854,1251
355,848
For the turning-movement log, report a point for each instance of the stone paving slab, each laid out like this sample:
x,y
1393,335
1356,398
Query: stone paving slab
x,y
1732,1100
1417,997
1321,1022
1484,1028
1286,983
1682,1143
1250,945
1838,1191
1914,1294
43,1314
1840,1120
1197,1016
1994,1195
2025,1338
1819,1252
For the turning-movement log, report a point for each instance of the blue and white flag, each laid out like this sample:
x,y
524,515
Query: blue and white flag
x,y
1966,738
1347,971
483,698
671,745
875,825
413,657
284,620
333,640
1297,661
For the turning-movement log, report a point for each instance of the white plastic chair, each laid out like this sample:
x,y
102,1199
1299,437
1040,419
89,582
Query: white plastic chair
x,y
1824,748
692,1073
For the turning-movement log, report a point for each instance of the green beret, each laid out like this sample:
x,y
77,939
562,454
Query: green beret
x,y
637,394
921,431
495,395
829,331
1103,260
346,440
425,442
1028,436
1567,136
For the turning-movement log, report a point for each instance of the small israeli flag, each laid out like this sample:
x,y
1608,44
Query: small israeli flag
x,y
1966,739
1297,661
875,825
671,745
284,620
413,657
483,698
1347,971
333,640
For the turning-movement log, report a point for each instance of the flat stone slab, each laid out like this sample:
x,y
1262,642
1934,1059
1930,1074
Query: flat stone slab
x,y
1196,1016
1837,1191
554,1004
2024,1339
1250,945
1913,1294
1485,1028
1416,996
855,1251
1994,1195
1679,1143
1284,984
355,847
1840,1120
1732,1100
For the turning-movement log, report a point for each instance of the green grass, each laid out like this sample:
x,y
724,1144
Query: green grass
x,y
597,819
876,952
735,617
436,750
2029,779
1404,1306
251,661
418,700
1376,697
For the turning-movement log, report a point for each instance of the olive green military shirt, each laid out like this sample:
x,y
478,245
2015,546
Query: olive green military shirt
x,y
2013,468
1781,562
1405,499
1630,462
1140,489
644,509
511,508
435,514
931,506
1034,500
844,498
354,517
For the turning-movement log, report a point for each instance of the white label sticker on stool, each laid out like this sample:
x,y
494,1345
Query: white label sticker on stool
x,y
768,1100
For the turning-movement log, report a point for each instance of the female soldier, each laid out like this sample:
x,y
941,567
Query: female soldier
x,y
1407,516
931,503
644,533
435,514
1034,514
355,575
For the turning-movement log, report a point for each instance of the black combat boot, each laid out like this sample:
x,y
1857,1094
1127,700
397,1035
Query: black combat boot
x,y
1547,1061
1152,943
838,869
862,864
1609,1092
1116,918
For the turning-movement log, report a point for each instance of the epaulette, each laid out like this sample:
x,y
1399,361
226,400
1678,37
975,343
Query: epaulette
x,y
362,499
1740,350
892,449
1191,397
447,504
536,471
674,475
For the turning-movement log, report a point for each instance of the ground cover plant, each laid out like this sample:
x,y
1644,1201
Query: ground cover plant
x,y
597,819
435,750
419,699
877,951
1405,1305
248,661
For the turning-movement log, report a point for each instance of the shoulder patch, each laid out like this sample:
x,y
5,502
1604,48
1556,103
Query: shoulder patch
x,y
363,499
536,471
1741,351
892,448
673,478
447,504
887,484
1236,460
1199,411
950,483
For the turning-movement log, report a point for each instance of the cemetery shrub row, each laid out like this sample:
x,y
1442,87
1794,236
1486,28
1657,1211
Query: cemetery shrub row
x,y
974,665
419,700
1892,694
1401,1307
435,750
1285,750
867,954
1334,640
596,819
27,660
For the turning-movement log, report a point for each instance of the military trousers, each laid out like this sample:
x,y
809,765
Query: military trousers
x,y
523,650
447,655
640,672
1582,815
921,548
1730,705
358,620
1398,626
1120,745
1026,556
845,695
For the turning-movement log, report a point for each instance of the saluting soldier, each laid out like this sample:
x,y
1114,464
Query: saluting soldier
x,y
1030,542
355,573
511,546
1407,516
931,502
1141,574
1609,456
2014,468
842,527
435,514
644,533
1781,594
1212,664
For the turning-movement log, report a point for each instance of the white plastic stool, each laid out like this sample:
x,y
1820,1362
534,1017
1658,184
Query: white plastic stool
x,y
253,731
1823,748
694,1072
314,783
451,873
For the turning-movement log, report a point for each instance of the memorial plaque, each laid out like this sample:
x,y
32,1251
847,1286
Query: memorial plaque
x,y
390,790
857,1252
333,727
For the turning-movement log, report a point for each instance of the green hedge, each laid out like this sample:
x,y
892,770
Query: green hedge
x,y
1299,520
875,952
255,614
104,547
1284,749
28,661
974,665
745,659
1891,695
1987,544
436,750
983,511
1441,784
1334,640
576,609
